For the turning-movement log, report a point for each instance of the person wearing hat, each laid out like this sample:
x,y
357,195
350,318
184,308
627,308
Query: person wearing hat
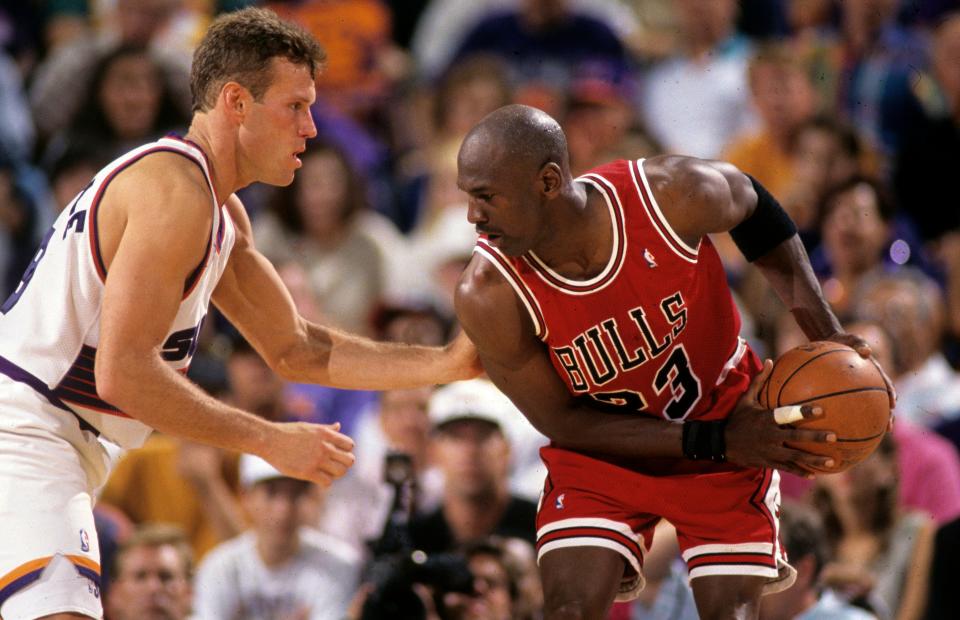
x,y
470,441
279,568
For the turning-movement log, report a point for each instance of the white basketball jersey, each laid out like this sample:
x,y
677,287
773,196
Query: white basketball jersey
x,y
50,325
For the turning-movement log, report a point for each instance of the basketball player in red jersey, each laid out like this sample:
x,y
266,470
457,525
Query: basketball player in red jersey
x,y
600,306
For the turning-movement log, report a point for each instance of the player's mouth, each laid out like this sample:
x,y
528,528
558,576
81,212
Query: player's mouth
x,y
296,156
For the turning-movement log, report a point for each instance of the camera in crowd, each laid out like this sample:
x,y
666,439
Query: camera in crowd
x,y
397,567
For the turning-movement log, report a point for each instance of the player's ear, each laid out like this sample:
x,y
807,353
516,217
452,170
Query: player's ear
x,y
551,179
236,100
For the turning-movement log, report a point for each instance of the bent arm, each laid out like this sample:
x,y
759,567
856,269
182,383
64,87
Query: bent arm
x,y
254,298
150,254
700,197
150,248
519,364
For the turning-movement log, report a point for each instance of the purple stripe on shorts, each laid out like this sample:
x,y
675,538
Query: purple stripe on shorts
x,y
19,583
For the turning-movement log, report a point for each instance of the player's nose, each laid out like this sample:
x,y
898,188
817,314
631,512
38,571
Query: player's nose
x,y
475,214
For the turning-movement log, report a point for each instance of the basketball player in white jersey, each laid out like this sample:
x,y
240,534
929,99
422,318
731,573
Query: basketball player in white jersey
x,y
96,337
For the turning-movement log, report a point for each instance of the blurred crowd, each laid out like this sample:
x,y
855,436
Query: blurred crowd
x,y
847,110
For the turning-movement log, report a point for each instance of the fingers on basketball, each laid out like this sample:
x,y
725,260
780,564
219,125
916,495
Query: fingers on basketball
x,y
850,392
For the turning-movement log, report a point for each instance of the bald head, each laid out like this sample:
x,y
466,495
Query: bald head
x,y
520,137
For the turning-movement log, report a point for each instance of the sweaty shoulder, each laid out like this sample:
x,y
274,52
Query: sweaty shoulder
x,y
697,196
491,313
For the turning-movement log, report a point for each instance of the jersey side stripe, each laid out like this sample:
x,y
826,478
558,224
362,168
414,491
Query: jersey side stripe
x,y
506,270
663,227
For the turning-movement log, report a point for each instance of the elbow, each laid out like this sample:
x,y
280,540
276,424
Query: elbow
x,y
113,380
294,363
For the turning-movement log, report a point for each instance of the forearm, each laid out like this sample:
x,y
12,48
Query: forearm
x,y
339,359
588,429
788,270
148,390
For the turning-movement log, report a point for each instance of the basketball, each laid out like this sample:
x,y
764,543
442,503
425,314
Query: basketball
x,y
850,390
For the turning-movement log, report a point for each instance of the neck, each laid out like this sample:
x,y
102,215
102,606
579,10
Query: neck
x,y
221,151
580,242
277,553
476,516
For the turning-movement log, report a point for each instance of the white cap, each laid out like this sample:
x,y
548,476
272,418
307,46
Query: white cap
x,y
254,469
477,399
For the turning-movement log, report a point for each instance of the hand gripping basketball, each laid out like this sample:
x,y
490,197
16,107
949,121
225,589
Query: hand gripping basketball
x,y
848,386
755,438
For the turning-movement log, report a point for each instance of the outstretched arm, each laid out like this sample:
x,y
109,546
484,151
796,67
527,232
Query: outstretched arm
x,y
253,297
148,223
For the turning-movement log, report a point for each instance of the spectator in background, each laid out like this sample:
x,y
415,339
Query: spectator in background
x,y
359,506
881,553
69,68
506,586
471,423
72,170
879,62
783,96
280,569
546,44
129,103
153,574
696,100
802,535
318,222
823,154
600,124
16,125
929,155
20,225
444,24
468,91
859,236
363,63
910,308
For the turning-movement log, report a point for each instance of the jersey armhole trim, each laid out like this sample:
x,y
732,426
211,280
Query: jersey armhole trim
x,y
98,261
526,297
660,223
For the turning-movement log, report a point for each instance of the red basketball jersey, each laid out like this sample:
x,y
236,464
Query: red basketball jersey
x,y
657,330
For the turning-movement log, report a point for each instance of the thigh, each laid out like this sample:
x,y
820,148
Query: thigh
x,y
722,597
49,554
588,504
580,582
727,525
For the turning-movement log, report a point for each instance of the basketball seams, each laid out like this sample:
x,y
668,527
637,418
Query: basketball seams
x,y
840,349
862,439
832,394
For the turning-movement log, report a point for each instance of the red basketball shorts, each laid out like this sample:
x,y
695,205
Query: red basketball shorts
x,y
726,517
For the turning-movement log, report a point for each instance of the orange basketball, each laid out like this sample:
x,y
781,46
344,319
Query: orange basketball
x,y
850,390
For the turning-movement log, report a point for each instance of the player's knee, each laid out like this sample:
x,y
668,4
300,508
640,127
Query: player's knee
x,y
727,604
572,609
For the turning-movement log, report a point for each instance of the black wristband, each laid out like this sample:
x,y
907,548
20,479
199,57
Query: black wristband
x,y
766,228
704,440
